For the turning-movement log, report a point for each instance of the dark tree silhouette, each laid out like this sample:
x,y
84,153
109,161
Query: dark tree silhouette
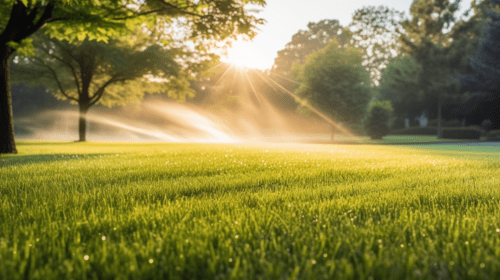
x,y
486,61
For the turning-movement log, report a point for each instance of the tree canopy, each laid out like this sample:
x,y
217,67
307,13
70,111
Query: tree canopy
x,y
113,73
400,85
334,80
486,60
317,36
376,30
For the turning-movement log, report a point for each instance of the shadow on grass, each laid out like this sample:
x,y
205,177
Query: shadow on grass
x,y
42,143
47,158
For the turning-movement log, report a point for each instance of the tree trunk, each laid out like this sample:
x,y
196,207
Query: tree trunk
x,y
439,132
82,122
7,143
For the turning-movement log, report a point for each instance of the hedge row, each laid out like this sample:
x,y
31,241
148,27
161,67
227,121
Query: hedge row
x,y
493,135
470,132
428,130
462,133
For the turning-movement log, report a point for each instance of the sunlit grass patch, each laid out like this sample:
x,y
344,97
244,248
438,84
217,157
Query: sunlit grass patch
x,y
213,211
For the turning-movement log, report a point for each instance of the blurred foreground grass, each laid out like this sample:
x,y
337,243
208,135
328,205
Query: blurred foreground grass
x,y
218,211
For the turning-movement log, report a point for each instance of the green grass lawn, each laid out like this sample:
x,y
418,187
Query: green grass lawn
x,y
219,211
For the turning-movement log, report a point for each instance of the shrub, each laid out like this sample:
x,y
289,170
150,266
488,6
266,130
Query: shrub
x,y
462,133
487,124
493,135
377,123
428,130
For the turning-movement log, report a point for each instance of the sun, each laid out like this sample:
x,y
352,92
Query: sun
x,y
242,54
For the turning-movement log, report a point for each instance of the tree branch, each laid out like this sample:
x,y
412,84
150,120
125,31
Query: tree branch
x,y
181,10
68,64
139,14
47,14
54,74
99,93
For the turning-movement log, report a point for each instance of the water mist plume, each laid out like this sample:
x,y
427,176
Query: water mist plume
x,y
252,117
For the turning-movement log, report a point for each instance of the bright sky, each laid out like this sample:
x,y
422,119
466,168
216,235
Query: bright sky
x,y
286,17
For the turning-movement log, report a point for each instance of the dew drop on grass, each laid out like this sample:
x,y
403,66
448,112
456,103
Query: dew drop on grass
x,y
151,260
103,238
230,260
86,257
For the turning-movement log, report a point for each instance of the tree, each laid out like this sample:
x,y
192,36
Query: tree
x,y
425,38
100,20
113,73
334,81
399,84
376,30
485,62
317,36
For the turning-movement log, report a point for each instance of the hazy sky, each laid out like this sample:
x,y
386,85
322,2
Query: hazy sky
x,y
286,17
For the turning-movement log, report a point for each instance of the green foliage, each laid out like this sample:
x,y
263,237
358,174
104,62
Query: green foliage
x,y
470,132
462,133
487,124
24,48
378,121
428,23
417,130
184,211
493,135
400,85
376,31
317,36
334,80
103,19
113,73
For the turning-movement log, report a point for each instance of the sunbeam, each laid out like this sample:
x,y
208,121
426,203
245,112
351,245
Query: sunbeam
x,y
314,110
224,74
253,88
290,80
